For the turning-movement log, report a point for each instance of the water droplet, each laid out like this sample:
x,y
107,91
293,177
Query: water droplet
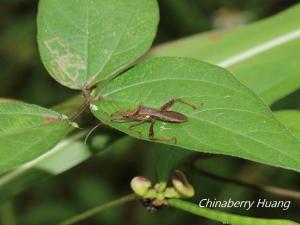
x,y
93,107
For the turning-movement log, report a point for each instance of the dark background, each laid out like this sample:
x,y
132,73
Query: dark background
x,y
107,176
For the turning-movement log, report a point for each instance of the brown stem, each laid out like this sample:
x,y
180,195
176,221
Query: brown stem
x,y
86,92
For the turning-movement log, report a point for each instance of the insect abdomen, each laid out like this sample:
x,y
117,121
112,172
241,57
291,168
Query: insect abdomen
x,y
171,116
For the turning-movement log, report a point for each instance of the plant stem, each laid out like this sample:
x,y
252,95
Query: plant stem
x,y
98,209
7,216
223,217
266,188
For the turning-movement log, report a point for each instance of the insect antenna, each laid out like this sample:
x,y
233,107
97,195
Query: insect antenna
x,y
114,102
99,124
119,109
80,111
112,118
91,131
86,91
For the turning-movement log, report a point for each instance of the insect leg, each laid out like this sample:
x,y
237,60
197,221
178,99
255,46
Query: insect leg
x,y
171,102
151,134
111,119
131,127
114,113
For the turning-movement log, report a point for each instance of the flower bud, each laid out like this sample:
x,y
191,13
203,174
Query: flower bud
x,y
182,185
170,192
160,187
73,124
150,193
140,185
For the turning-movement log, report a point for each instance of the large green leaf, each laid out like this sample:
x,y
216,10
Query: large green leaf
x,y
226,218
84,42
291,119
26,132
230,120
263,55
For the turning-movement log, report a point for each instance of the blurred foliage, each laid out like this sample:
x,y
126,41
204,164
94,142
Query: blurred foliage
x,y
107,175
185,17
23,75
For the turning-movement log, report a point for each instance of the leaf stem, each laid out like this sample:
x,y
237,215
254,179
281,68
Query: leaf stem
x,y
98,209
265,188
7,214
225,218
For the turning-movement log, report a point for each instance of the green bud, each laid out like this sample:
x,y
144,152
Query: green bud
x,y
73,124
160,196
182,185
160,187
140,185
171,192
151,193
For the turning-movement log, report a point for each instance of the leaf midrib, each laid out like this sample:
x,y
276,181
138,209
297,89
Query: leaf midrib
x,y
118,40
87,40
30,114
26,129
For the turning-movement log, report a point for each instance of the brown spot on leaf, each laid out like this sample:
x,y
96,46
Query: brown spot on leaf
x,y
66,64
49,119
215,36
100,98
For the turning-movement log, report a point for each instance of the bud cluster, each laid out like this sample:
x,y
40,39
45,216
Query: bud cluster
x,y
181,188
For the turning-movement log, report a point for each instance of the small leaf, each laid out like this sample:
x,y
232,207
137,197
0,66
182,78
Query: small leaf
x,y
291,119
84,42
230,118
225,218
26,132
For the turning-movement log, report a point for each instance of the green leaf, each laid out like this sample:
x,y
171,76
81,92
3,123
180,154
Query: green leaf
x,y
225,218
5,100
166,158
291,119
263,55
82,43
26,132
230,119
65,155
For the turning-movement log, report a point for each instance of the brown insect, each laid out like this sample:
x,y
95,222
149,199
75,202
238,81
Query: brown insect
x,y
143,114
